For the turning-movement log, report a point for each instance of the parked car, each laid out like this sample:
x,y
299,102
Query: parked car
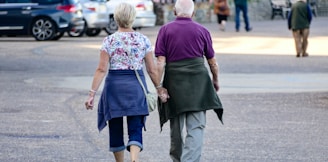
x,y
43,19
145,14
95,14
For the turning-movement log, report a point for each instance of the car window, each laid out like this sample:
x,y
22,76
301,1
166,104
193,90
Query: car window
x,y
99,0
74,1
44,2
18,1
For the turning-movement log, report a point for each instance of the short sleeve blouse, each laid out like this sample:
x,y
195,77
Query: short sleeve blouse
x,y
126,50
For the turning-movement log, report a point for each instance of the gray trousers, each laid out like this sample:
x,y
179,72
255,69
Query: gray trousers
x,y
187,149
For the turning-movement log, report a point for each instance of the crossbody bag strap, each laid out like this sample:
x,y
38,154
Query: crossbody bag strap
x,y
142,85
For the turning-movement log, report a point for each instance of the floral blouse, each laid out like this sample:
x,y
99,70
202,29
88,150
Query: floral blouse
x,y
126,50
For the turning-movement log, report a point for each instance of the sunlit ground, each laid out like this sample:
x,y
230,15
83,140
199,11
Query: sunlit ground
x,y
317,46
268,45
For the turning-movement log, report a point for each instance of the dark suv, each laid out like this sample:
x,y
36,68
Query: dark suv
x,y
43,19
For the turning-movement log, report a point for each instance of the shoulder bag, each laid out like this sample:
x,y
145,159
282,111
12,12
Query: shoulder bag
x,y
150,97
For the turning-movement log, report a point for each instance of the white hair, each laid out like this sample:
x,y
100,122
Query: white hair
x,y
125,15
184,7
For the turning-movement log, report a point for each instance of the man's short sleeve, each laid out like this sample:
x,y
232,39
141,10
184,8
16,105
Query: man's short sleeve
x,y
160,46
209,51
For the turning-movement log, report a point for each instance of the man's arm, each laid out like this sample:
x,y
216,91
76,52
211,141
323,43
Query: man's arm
x,y
161,60
214,67
160,66
309,16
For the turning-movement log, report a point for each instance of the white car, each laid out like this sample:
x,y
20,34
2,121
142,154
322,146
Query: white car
x,y
95,14
145,14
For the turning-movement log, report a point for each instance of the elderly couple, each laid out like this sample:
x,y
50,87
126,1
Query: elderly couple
x,y
186,92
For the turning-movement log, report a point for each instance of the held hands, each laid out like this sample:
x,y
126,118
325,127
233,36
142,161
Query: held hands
x,y
163,94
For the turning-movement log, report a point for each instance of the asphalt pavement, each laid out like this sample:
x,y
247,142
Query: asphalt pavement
x,y
276,105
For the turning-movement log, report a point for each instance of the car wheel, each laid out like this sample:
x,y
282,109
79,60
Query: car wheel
x,y
112,26
76,32
43,29
58,35
92,32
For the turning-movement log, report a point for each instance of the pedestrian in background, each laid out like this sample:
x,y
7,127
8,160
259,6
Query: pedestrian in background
x,y
181,47
241,5
122,95
299,21
222,11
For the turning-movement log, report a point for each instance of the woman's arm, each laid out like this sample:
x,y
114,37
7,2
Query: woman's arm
x,y
98,77
155,72
152,69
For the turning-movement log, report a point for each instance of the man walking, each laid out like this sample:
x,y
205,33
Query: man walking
x,y
299,21
181,47
241,5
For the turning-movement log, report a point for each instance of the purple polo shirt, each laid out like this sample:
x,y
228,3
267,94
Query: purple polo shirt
x,y
183,39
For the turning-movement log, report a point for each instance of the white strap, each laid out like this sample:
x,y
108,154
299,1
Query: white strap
x,y
142,85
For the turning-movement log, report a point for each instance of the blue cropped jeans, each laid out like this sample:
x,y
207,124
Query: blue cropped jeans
x,y
116,133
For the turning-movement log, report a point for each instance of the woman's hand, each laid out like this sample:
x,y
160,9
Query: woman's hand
x,y
163,94
89,103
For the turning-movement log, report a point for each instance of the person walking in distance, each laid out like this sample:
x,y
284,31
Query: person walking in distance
x,y
299,21
222,11
124,52
241,5
181,48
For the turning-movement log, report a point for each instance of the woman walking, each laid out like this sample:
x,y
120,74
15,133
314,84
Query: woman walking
x,y
222,10
122,53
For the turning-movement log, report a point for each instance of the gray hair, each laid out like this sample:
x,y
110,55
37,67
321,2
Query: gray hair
x,y
124,15
184,7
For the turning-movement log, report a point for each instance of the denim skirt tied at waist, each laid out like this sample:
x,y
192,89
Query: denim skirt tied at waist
x,y
122,95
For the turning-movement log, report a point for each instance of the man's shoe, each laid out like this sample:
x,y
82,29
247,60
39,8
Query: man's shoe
x,y
298,55
249,29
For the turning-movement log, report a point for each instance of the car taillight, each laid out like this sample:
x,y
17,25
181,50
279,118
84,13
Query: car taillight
x,y
140,6
92,8
67,8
